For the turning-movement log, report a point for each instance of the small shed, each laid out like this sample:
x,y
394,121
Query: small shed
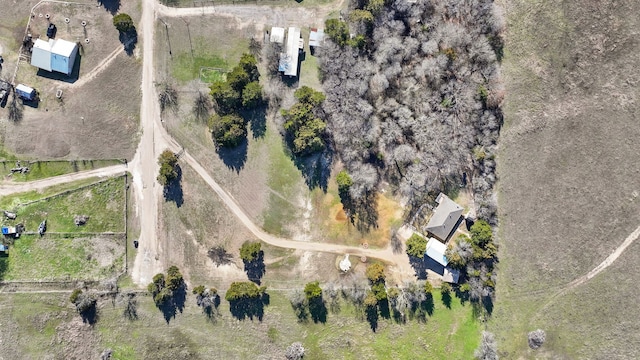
x,y
54,55
277,35
25,92
316,37
446,218
436,251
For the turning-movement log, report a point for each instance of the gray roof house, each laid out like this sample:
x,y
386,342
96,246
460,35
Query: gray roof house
x,y
445,218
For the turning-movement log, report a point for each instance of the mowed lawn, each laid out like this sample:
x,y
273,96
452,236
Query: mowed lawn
x,y
448,334
103,202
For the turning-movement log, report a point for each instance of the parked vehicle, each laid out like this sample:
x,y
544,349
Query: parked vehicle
x,y
4,90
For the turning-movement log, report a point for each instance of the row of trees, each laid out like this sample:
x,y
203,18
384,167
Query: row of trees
x,y
412,300
240,91
420,97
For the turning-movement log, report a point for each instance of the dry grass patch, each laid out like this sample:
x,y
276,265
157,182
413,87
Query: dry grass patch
x,y
568,192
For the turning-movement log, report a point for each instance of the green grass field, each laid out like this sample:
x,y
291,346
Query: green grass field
x,y
103,202
32,258
284,179
211,75
44,169
187,68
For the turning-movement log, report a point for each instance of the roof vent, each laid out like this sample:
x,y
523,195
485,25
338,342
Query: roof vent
x,y
86,40
66,20
47,16
84,23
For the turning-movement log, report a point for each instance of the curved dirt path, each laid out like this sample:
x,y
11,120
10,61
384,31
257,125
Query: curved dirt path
x,y
591,274
96,70
12,188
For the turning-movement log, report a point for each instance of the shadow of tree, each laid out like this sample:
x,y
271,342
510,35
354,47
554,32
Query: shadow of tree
x,y
428,304
234,158
446,299
111,6
315,168
462,295
362,212
249,307
4,265
173,190
487,302
396,243
174,304
383,307
372,317
129,40
255,269
421,265
257,119
90,316
318,310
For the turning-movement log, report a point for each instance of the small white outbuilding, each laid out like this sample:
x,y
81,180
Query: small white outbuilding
x,y
54,55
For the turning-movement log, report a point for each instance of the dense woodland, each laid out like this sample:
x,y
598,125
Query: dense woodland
x,y
412,96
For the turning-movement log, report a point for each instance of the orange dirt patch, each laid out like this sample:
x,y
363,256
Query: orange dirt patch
x,y
336,227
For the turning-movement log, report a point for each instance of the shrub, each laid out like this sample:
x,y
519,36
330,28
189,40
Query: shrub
x,y
250,251
312,290
243,290
252,95
337,30
536,338
375,273
168,172
344,181
294,352
304,130
488,349
227,99
174,279
228,130
123,22
481,233
74,296
416,246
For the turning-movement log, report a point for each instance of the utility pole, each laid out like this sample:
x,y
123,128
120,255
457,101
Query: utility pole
x,y
166,27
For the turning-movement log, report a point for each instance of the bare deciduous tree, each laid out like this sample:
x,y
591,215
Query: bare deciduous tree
x,y
536,338
201,106
488,349
294,352
168,96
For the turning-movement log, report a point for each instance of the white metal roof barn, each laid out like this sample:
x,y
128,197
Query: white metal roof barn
x,y
54,55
